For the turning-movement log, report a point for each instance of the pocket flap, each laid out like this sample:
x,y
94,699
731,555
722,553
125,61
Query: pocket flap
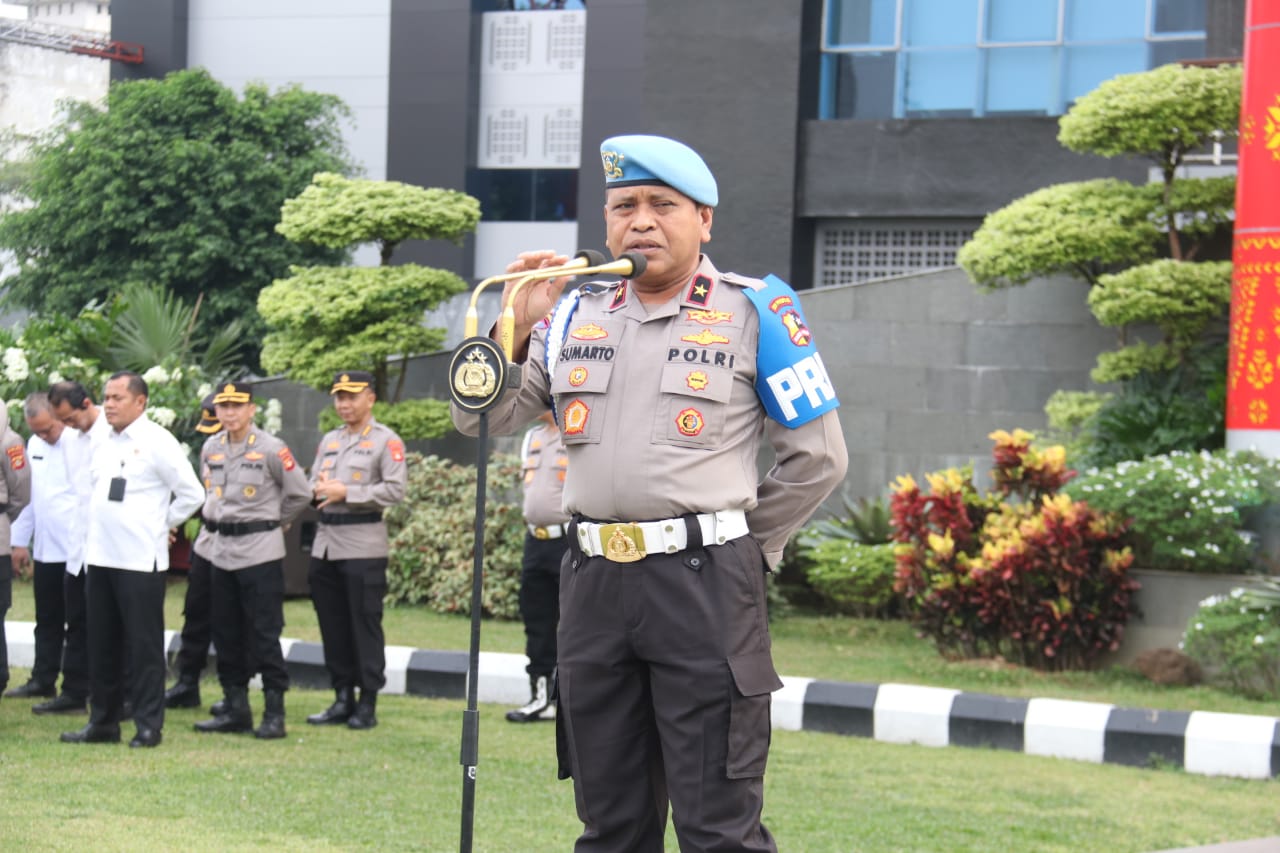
x,y
754,674
581,378
695,380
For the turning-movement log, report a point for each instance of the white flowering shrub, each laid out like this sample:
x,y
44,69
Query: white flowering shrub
x,y
1236,640
1189,511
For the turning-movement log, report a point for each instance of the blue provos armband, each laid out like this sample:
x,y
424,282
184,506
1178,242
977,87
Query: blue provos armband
x,y
791,379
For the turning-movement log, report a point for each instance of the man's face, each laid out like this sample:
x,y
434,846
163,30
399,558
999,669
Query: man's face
x,y
81,419
45,425
662,224
235,417
120,405
353,408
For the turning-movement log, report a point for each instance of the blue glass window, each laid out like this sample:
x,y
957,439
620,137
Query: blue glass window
x,y
940,23
932,58
1022,80
1022,20
862,23
1104,20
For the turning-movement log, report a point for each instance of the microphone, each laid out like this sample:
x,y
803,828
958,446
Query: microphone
x,y
628,265
583,260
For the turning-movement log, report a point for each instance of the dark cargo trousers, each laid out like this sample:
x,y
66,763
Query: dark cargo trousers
x,y
665,677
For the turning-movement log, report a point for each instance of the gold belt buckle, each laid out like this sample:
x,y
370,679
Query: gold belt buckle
x,y
541,533
623,543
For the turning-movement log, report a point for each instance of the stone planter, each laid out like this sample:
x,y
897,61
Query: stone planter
x,y
1167,601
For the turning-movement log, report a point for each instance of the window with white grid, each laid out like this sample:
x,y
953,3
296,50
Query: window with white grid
x,y
853,250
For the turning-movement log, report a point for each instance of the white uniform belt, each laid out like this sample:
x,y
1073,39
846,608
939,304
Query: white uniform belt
x,y
626,542
547,531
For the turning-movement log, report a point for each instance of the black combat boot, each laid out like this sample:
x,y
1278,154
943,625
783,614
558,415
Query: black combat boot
x,y
184,694
363,717
219,708
540,706
272,716
343,705
238,717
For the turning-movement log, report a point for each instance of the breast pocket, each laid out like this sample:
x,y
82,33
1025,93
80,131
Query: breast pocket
x,y
580,393
692,410
252,475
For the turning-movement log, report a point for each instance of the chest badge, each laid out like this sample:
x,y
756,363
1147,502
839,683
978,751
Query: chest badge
x,y
705,338
577,376
709,317
689,422
589,332
250,491
575,418
697,380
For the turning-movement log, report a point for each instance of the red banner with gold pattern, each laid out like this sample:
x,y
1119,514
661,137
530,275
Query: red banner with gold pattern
x,y
1253,368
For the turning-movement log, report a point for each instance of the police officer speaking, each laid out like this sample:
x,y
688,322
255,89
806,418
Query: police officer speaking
x,y
253,487
663,386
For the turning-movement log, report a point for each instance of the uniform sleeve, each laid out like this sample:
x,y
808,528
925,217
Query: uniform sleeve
x,y
518,406
188,491
811,460
394,475
315,465
295,491
23,527
17,474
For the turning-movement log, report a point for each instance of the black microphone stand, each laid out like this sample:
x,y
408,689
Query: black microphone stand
x,y
478,376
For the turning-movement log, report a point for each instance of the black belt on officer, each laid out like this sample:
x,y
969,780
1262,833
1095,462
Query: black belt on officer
x,y
339,518
240,528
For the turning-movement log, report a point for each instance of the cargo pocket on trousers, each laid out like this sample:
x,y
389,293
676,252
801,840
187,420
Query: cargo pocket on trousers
x,y
749,714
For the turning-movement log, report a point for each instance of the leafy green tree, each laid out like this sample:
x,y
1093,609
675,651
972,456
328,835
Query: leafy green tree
x,y
178,183
326,319
1111,234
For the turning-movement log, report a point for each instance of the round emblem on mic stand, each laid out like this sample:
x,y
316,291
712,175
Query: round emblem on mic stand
x,y
477,374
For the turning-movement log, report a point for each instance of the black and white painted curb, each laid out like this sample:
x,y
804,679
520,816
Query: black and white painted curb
x,y
1204,742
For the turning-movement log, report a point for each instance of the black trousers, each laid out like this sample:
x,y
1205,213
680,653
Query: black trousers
x,y
665,674
540,600
347,595
75,649
51,621
6,601
126,629
197,631
248,616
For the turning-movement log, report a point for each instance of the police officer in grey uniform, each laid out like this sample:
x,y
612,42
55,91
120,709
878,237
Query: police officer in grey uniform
x,y
358,472
197,631
15,493
253,487
544,462
664,385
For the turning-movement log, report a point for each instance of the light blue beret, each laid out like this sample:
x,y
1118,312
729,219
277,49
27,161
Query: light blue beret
x,y
633,160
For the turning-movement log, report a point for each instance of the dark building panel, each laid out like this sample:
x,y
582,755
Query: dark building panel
x,y
160,26
722,77
1224,36
937,167
433,90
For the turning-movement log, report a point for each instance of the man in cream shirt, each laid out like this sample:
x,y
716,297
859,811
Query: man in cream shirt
x,y
142,486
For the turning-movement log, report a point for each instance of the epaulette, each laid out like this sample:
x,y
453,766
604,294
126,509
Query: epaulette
x,y
743,281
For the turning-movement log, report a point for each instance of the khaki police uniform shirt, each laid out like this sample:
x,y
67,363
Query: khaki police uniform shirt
x,y
660,417
371,464
15,485
545,462
253,480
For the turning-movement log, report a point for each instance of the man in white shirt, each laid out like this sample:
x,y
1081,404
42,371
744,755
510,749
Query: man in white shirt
x,y
142,486
49,529
72,404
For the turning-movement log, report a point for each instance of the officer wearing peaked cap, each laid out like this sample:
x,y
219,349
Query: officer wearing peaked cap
x,y
663,385
359,471
253,488
197,632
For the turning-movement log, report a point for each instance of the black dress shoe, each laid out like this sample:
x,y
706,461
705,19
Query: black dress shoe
x,y
31,690
146,738
94,733
362,718
184,694
63,704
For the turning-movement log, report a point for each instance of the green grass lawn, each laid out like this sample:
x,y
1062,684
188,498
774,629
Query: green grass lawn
x,y
398,787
